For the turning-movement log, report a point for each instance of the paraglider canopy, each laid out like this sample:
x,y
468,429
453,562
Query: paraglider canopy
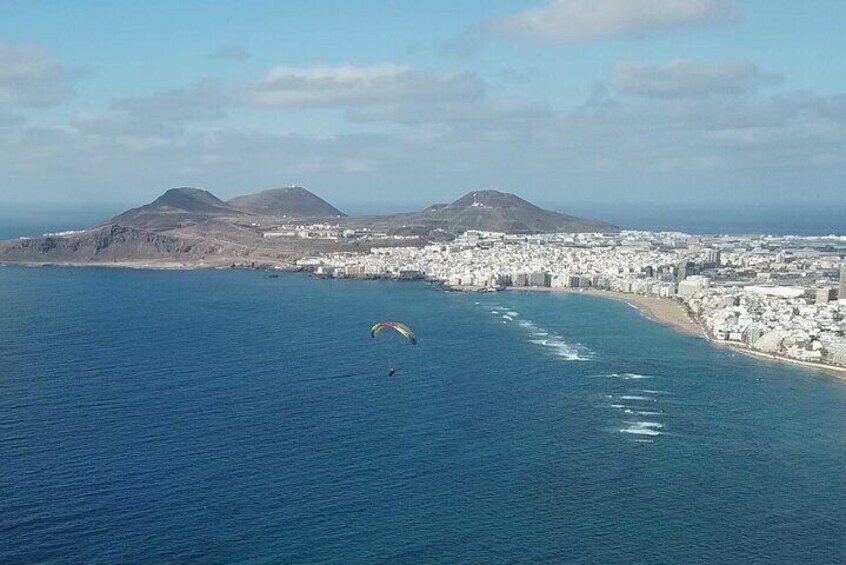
x,y
404,330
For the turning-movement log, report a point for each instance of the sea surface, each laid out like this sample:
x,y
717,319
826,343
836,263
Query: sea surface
x,y
229,417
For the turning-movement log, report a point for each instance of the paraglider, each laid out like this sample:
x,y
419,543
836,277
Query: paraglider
x,y
402,329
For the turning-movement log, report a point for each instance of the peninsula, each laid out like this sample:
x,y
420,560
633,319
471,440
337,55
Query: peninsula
x,y
779,297
276,228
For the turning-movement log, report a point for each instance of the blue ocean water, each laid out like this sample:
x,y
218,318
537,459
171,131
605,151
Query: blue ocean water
x,y
228,417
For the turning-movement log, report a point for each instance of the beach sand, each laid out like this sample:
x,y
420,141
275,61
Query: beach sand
x,y
672,313
662,310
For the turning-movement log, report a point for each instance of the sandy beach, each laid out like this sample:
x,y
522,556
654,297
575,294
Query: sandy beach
x,y
662,310
837,372
671,313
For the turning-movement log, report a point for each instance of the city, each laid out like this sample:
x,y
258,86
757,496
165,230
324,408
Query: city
x,y
781,296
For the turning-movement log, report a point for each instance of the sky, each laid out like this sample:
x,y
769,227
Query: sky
x,y
384,105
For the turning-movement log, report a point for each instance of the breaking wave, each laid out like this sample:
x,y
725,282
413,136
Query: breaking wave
x,y
642,412
551,341
561,348
642,428
626,376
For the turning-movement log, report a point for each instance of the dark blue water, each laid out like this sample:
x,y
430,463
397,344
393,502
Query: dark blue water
x,y
223,417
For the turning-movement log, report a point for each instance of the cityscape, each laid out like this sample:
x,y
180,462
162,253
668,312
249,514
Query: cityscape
x,y
500,281
782,296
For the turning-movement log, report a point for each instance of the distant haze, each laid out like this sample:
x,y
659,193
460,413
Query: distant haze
x,y
391,106
796,220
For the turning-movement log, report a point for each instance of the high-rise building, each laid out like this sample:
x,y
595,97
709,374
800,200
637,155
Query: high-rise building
x,y
824,295
842,292
684,270
712,257
539,278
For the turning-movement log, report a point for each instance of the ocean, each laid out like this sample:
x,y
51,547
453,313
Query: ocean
x,y
229,417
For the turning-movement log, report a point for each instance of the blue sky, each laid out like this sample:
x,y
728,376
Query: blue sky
x,y
395,104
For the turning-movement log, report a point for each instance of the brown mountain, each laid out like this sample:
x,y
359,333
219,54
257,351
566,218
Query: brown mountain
x,y
189,226
292,201
176,208
491,210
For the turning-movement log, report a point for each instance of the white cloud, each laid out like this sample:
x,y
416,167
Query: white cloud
x,y
587,20
203,101
660,124
30,76
356,86
682,78
678,143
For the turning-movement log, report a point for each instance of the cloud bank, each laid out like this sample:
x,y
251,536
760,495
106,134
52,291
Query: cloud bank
x,y
30,76
588,20
356,86
683,78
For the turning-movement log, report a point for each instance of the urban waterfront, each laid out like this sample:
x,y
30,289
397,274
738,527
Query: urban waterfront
x,y
782,296
224,416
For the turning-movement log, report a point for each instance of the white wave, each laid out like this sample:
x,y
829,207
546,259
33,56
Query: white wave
x,y
647,391
634,376
642,428
563,349
647,424
625,376
640,431
618,406
637,397
641,440
644,413
495,312
555,343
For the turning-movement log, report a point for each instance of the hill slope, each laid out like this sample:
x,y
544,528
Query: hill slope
x,y
491,210
293,201
175,208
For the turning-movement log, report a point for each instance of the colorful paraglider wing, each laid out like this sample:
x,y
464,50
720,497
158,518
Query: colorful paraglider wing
x,y
404,330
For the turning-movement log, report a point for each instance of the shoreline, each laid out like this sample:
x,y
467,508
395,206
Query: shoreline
x,y
659,310
673,314
830,370
158,266
664,311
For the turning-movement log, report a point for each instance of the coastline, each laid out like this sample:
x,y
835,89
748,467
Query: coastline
x,y
673,314
157,265
660,310
830,370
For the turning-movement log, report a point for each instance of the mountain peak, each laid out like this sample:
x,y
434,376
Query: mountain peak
x,y
287,201
490,198
493,210
177,207
187,198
